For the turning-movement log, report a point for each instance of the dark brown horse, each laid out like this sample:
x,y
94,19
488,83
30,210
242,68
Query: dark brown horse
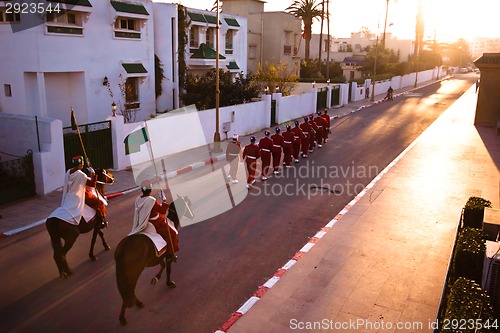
x,y
60,230
136,252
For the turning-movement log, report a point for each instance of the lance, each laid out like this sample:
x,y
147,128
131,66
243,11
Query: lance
x,y
74,126
158,177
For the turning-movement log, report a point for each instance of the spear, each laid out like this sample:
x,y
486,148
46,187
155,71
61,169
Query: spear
x,y
74,126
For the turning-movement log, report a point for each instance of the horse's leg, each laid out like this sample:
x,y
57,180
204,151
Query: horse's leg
x,y
92,243
122,318
158,276
69,240
170,283
106,246
57,248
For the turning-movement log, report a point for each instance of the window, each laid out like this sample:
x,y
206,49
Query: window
x,y
252,51
126,27
288,43
65,22
229,41
194,38
132,93
9,17
8,90
210,35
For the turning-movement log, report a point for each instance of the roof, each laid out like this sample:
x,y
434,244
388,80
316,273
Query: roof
x,y
74,2
232,65
205,52
354,60
134,68
488,59
129,7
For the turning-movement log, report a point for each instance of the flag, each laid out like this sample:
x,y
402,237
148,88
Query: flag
x,y
74,124
134,140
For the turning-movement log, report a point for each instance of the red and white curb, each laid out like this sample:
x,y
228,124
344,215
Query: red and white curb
x,y
257,295
133,189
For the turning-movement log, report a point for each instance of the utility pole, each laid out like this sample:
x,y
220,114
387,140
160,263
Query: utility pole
x,y
419,33
385,23
328,40
321,35
217,148
374,70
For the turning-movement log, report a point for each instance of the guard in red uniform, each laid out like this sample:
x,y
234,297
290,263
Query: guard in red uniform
x,y
306,129
233,153
287,146
297,141
278,144
327,129
315,128
320,122
266,146
251,154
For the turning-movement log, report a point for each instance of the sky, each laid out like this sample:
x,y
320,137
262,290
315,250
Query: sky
x,y
448,20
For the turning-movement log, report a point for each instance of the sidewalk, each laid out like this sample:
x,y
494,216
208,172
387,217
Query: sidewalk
x,y
381,263
36,209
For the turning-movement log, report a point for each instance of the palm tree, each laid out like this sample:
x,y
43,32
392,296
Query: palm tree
x,y
307,10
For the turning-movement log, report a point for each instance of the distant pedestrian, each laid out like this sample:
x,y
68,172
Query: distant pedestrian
x,y
251,154
233,153
327,128
367,92
266,146
390,92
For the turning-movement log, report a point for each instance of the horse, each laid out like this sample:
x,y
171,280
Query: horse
x,y
136,252
61,230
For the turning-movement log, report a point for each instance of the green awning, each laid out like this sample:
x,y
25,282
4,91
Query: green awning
x,y
232,22
197,17
129,8
211,19
134,68
232,65
85,3
205,52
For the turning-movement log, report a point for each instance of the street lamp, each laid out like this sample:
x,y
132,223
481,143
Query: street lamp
x,y
113,108
217,148
374,70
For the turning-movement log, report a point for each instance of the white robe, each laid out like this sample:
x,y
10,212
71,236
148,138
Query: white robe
x,y
141,224
73,198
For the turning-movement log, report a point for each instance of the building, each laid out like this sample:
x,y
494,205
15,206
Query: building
x,y
480,45
87,57
200,53
273,37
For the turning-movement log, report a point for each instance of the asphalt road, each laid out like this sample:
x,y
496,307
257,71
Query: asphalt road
x,y
237,241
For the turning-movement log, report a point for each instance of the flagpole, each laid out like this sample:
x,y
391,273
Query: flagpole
x,y
161,190
73,118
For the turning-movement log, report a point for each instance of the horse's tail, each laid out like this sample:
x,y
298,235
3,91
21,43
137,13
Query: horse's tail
x,y
125,284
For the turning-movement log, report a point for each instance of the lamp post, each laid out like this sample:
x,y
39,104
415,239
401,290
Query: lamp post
x,y
217,148
374,70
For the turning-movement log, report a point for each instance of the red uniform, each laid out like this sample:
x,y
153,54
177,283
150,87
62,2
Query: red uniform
x,y
251,154
157,217
287,147
315,134
297,140
327,129
306,129
321,123
278,144
233,152
266,146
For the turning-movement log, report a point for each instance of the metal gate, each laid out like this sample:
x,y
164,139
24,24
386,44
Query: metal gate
x,y
321,100
17,178
97,140
273,112
335,98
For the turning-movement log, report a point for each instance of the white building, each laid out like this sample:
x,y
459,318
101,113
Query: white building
x,y
200,53
93,54
480,45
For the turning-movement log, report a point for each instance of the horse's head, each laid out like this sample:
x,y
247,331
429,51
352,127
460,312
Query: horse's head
x,y
104,177
181,207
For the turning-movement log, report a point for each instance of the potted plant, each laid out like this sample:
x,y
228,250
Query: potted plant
x,y
474,212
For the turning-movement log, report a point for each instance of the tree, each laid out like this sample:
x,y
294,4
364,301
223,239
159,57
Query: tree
x,y
200,90
272,76
307,10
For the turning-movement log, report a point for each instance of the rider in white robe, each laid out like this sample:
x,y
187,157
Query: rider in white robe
x,y
73,198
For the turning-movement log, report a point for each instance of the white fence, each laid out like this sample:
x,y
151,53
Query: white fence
x,y
180,130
